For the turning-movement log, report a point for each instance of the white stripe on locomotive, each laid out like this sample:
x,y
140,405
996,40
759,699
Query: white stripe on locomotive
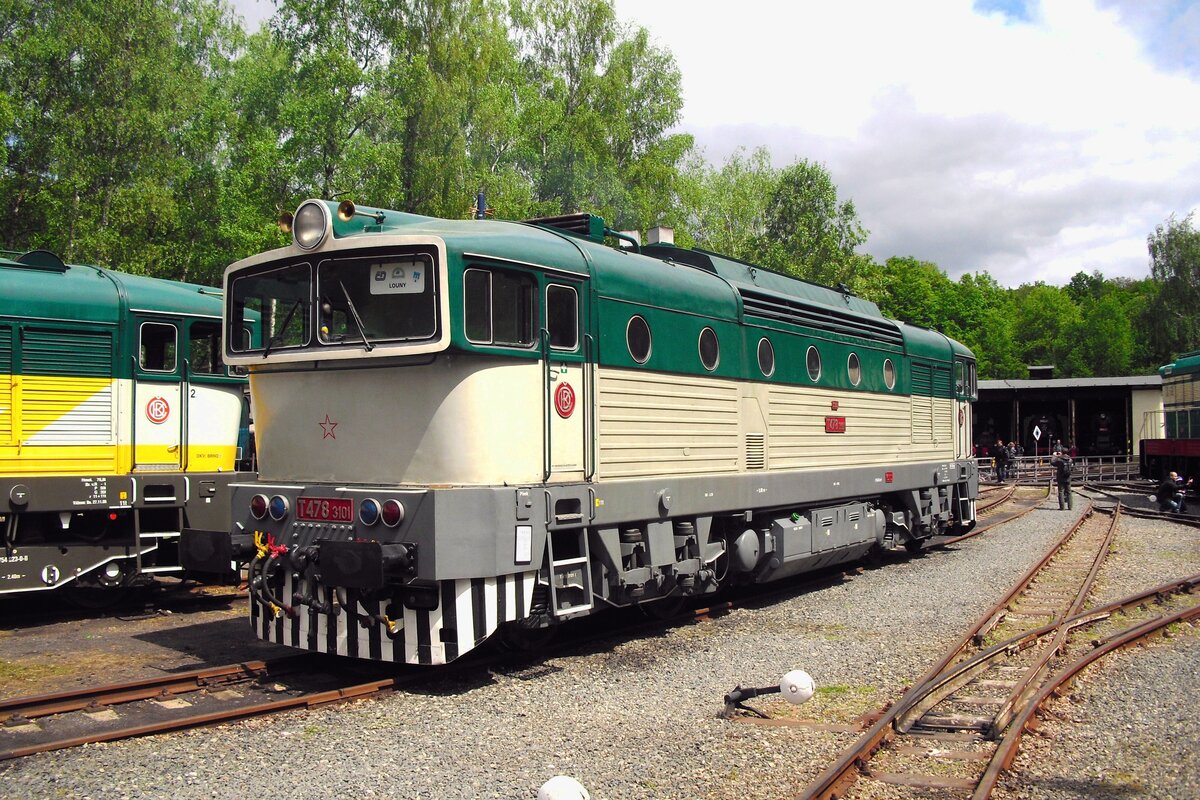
x,y
404,639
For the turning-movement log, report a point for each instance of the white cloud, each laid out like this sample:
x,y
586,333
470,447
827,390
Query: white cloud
x,y
1033,149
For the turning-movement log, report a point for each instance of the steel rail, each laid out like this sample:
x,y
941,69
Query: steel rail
x,y
926,695
994,524
837,779
132,691
1003,757
843,772
226,715
1084,618
1035,673
995,497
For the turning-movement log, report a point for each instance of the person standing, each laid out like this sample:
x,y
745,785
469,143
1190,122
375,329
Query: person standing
x,y
1062,475
1001,460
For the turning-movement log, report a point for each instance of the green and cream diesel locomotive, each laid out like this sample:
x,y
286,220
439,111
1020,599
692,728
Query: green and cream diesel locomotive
x,y
119,423
468,425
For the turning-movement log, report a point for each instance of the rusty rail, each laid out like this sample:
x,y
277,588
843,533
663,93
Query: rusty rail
x,y
834,781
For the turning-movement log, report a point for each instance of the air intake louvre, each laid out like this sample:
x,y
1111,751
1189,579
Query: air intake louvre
x,y
588,226
823,318
756,451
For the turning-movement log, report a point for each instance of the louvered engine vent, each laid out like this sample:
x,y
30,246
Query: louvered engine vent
x,y
756,451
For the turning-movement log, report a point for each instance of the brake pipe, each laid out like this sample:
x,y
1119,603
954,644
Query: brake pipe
x,y
264,544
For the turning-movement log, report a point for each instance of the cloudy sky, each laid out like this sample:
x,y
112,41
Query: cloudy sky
x,y
1029,139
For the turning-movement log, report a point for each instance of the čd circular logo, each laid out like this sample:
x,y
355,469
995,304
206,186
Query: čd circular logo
x,y
564,400
157,410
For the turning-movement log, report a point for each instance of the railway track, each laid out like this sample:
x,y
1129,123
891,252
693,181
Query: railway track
x,y
991,512
190,699
238,691
1110,493
959,726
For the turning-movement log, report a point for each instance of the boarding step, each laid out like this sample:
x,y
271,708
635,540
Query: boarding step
x,y
158,535
570,572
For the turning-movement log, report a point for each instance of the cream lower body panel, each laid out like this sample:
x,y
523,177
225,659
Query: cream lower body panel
x,y
656,424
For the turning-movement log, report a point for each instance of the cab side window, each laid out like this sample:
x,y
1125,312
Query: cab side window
x,y
499,307
562,317
204,349
157,347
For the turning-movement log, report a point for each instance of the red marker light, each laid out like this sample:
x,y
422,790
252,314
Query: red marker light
x,y
112,515
393,513
887,477
258,506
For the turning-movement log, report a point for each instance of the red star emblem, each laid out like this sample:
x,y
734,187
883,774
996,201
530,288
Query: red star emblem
x,y
327,428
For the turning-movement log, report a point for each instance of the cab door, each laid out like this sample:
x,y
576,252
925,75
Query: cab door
x,y
214,402
568,380
158,403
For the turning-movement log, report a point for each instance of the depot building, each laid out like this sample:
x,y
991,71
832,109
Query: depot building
x,y
1094,416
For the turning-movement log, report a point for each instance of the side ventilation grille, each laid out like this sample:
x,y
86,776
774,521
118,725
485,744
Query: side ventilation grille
x,y
756,451
589,226
818,317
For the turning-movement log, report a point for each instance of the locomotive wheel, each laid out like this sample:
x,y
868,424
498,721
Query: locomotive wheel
x,y
664,608
875,557
520,637
94,598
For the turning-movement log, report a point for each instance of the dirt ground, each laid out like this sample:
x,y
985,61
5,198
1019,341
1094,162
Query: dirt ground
x,y
47,645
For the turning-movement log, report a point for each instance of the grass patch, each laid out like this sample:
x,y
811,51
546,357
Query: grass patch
x,y
834,703
18,672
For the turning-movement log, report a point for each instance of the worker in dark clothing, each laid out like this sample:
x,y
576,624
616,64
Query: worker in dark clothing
x,y
1062,464
1001,456
1183,487
1172,493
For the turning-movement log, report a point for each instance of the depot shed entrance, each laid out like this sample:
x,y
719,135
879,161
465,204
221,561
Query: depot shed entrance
x,y
1096,416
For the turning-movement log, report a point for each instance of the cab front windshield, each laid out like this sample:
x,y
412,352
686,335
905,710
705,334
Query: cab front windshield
x,y
353,302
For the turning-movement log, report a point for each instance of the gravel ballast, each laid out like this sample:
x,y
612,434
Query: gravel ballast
x,y
637,718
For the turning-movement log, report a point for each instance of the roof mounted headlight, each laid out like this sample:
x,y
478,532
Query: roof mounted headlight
x,y
310,224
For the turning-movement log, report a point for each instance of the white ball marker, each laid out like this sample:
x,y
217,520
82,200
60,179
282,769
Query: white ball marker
x,y
563,787
797,686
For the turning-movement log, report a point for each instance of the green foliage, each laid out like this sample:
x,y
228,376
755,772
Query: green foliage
x,y
724,209
156,136
1173,322
112,127
597,122
809,233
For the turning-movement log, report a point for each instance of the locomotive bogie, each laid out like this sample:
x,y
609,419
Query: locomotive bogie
x,y
556,550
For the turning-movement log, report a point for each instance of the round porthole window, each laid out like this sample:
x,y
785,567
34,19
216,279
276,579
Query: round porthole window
x,y
854,369
766,357
889,373
710,349
637,338
813,360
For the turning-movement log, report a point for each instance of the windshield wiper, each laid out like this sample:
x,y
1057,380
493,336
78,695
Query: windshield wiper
x,y
362,330
278,338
